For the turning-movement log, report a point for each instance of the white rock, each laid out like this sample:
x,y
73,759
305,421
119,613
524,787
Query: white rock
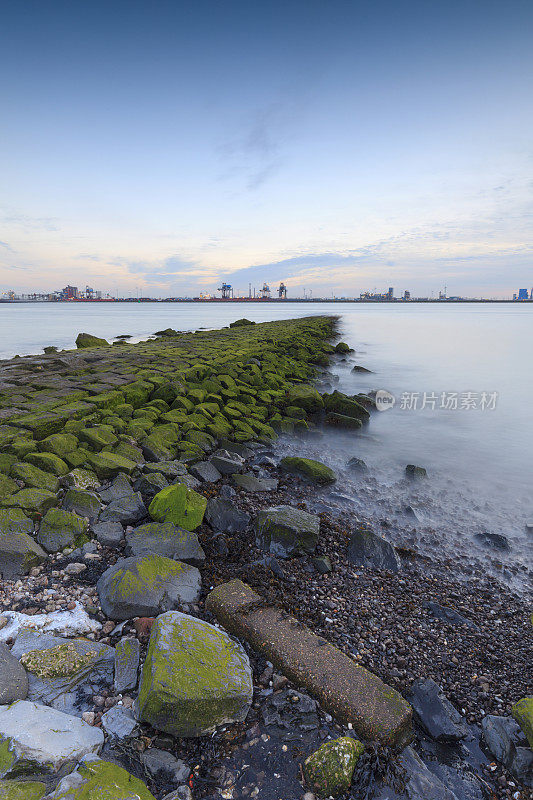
x,y
64,623
49,738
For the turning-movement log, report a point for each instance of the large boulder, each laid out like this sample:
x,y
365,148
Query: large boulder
x,y
100,780
522,711
194,678
127,658
286,531
508,744
18,550
225,516
306,397
166,539
88,340
128,510
180,505
329,770
13,678
314,471
34,477
366,549
339,403
145,586
85,504
38,738
435,712
59,529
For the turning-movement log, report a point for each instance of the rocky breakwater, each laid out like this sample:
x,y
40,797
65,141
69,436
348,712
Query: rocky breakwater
x,y
137,485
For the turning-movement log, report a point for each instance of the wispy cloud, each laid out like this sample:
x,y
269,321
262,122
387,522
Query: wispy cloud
x,y
9,217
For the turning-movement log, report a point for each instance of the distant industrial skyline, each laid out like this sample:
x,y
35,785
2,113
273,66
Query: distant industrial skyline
x,y
341,146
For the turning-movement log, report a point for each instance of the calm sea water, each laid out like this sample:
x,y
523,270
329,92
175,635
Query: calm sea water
x,y
478,458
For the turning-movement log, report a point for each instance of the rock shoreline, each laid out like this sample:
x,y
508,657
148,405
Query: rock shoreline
x,y
134,480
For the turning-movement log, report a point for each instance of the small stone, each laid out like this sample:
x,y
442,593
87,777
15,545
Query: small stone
x,y
88,717
75,568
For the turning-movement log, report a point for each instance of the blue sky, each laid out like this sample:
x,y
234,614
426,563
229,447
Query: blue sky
x,y
339,146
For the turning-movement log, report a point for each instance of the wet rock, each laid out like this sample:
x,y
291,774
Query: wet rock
x,y
227,463
435,713
206,472
447,614
508,744
328,771
422,784
84,504
412,471
306,397
497,541
119,723
145,586
250,483
170,469
522,711
290,715
88,340
357,465
322,564
39,737
166,539
127,658
286,531
127,510
181,793
62,623
163,767
13,678
109,534
120,487
224,516
366,549
18,550
313,471
194,678
151,484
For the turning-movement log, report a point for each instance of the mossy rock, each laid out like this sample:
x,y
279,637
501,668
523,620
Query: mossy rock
x,y
60,661
43,424
7,486
82,479
108,400
314,471
194,679
339,403
179,505
77,457
343,348
34,501
18,550
22,790
129,451
88,340
343,421
6,462
102,780
59,443
305,397
60,528
240,323
522,711
107,465
286,531
329,770
99,437
48,462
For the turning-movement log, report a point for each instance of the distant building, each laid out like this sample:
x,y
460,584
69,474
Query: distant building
x,y
523,294
69,292
390,293
407,295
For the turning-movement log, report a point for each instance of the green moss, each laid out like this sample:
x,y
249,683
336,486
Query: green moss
x,y
315,471
522,711
48,462
179,505
329,770
22,790
59,443
107,465
98,437
88,340
60,661
33,501
305,397
7,486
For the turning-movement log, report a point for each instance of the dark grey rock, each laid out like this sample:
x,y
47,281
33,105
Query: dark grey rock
x,y
435,713
13,678
224,516
412,471
127,510
226,463
166,539
497,541
250,483
206,472
170,469
366,549
119,723
290,715
85,504
285,531
163,766
181,793
449,615
109,534
422,784
242,450
508,744
127,657
322,564
190,481
357,465
227,491
151,483
120,487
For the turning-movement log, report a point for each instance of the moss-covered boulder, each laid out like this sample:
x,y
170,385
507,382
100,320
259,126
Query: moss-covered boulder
x,y
22,790
98,437
18,550
48,462
522,711
34,502
84,504
34,476
412,471
329,770
166,539
59,443
286,531
343,348
88,340
147,585
107,465
59,529
306,397
339,403
181,506
7,485
314,471
241,323
194,678
343,421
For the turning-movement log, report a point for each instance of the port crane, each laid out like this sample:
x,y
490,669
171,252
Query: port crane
x,y
282,291
265,292
227,291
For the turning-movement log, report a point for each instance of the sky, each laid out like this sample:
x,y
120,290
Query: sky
x,y
160,148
